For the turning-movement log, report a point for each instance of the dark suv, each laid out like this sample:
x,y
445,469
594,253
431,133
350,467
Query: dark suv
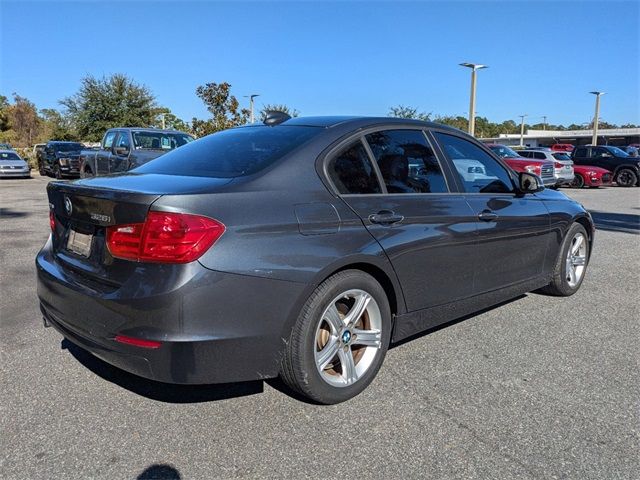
x,y
625,169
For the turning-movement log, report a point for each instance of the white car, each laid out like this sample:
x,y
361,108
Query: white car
x,y
11,165
562,163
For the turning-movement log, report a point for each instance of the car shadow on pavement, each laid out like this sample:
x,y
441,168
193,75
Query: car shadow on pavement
x,y
616,222
159,471
11,213
162,392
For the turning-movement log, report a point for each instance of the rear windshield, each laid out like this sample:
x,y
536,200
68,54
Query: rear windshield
x,y
561,156
9,156
231,153
503,152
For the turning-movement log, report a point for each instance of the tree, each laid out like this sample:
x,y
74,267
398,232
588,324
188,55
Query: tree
x,y
108,102
55,126
272,107
223,106
21,123
401,111
458,121
166,119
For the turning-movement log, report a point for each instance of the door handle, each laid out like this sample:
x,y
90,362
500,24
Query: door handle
x,y
385,217
487,216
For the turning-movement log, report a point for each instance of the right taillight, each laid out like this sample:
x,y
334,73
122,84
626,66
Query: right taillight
x,y
52,221
164,237
558,165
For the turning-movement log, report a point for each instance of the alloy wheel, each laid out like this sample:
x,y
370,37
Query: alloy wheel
x,y
348,337
576,260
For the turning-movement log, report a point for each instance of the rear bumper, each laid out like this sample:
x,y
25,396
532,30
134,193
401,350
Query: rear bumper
x,y
213,327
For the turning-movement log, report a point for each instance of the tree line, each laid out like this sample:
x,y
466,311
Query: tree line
x,y
118,101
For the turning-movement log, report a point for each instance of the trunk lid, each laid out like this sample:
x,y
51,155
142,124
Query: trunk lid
x,y
84,209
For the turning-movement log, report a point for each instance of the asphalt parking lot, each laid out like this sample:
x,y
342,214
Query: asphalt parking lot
x,y
539,387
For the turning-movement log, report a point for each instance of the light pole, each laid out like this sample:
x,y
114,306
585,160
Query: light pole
x,y
472,101
251,97
544,122
522,129
594,140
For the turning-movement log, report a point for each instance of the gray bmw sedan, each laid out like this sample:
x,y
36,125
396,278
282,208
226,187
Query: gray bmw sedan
x,y
301,248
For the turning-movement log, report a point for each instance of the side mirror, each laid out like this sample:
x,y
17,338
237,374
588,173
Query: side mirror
x,y
606,155
530,183
121,151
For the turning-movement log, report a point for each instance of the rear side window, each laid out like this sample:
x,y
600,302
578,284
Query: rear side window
x,y
407,162
352,172
526,154
479,172
231,153
581,152
539,155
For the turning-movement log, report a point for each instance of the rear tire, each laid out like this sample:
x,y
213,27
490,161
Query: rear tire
x,y
340,339
578,181
626,178
571,265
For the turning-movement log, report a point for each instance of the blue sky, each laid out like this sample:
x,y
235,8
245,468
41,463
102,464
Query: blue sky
x,y
327,58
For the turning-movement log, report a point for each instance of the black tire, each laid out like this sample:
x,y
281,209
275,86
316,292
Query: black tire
x,y
86,173
626,178
559,285
578,181
41,169
298,368
56,171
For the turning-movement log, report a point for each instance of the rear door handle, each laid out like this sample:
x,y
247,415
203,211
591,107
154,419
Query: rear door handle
x,y
487,216
385,217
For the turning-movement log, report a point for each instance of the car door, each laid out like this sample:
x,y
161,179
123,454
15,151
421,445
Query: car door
x,y
120,157
393,180
104,154
513,229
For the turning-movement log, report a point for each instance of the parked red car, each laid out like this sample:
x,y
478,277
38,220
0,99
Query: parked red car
x,y
542,168
562,147
588,176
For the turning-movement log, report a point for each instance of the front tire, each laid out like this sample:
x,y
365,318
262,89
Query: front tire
x,y
340,339
41,169
56,171
626,178
571,265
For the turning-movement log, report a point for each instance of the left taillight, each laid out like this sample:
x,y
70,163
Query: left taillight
x,y
164,237
52,221
558,165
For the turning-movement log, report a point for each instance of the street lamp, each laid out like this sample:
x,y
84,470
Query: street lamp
x,y
544,122
251,97
472,102
594,140
522,129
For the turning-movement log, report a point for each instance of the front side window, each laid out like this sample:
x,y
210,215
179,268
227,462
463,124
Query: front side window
x,y
123,140
108,139
407,162
352,172
478,171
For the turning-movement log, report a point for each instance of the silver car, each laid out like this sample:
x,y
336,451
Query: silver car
x,y
562,163
11,165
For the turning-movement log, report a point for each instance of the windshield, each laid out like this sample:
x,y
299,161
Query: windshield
x,y
231,153
617,152
561,156
9,156
503,152
67,147
160,140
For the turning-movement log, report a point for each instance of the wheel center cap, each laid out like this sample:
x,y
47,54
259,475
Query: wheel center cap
x,y
346,337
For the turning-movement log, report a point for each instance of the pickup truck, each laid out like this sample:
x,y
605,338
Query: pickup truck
x,y
625,168
60,159
122,149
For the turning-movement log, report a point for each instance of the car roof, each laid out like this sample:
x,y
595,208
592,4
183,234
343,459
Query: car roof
x,y
7,150
352,122
61,141
147,129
